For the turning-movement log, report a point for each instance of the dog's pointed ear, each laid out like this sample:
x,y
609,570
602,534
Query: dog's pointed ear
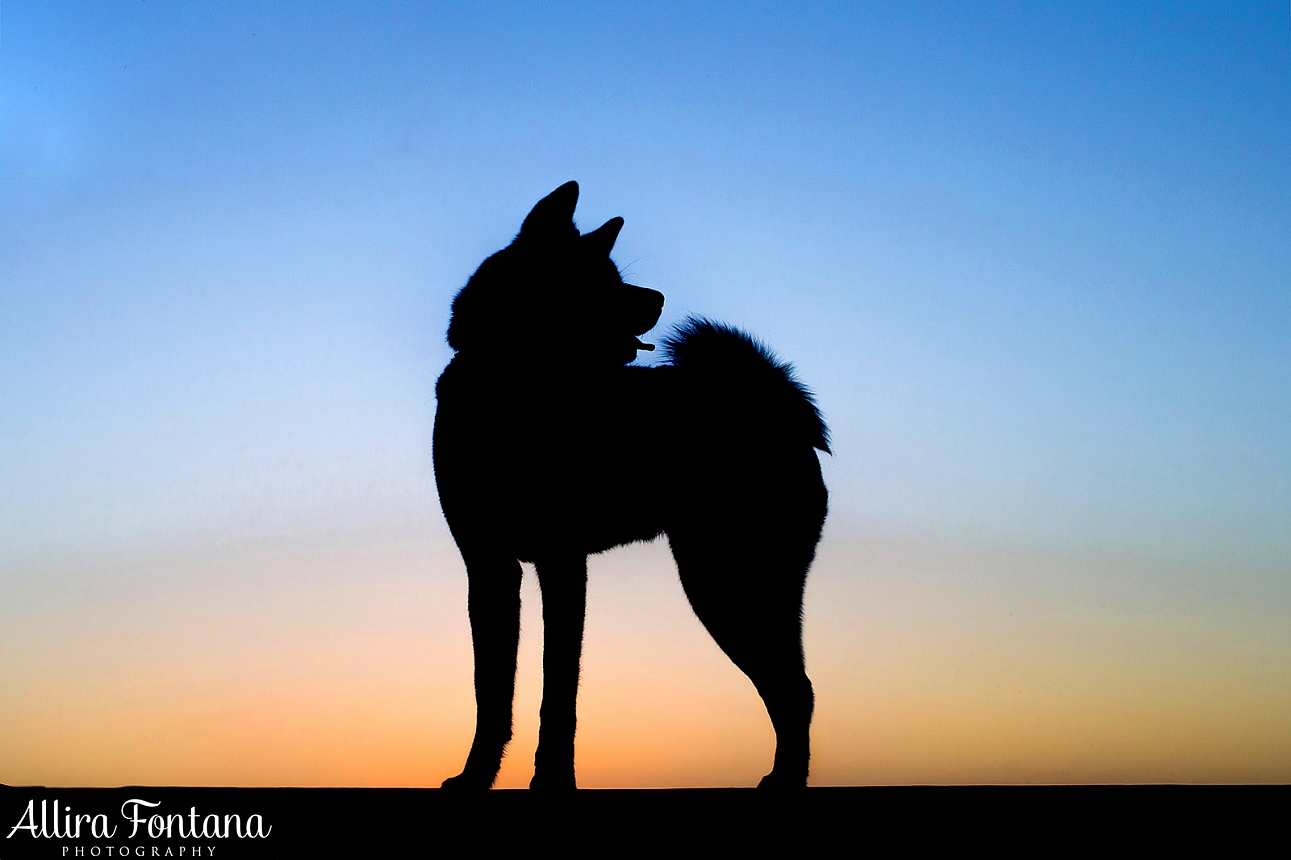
x,y
553,212
601,240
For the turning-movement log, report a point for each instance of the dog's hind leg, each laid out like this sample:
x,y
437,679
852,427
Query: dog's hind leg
x,y
564,608
750,600
494,607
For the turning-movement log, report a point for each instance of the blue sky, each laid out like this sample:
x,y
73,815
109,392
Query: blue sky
x,y
1033,258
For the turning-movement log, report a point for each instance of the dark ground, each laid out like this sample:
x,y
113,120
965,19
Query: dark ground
x,y
362,822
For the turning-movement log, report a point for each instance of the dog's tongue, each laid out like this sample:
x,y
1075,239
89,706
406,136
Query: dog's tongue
x,y
648,347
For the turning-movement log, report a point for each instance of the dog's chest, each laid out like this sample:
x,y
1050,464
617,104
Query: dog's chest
x,y
553,452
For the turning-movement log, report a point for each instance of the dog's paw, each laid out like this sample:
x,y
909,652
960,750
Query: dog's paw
x,y
467,781
781,782
553,782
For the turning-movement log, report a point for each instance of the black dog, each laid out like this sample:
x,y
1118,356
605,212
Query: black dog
x,y
545,459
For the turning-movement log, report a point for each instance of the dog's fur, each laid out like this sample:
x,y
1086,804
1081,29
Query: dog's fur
x,y
549,458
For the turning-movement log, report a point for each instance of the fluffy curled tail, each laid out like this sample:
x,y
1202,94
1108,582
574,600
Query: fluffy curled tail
x,y
736,369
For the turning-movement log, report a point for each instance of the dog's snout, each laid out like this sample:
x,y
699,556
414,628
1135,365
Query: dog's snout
x,y
645,305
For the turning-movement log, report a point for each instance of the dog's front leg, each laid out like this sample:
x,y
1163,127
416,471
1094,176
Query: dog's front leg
x,y
494,606
564,606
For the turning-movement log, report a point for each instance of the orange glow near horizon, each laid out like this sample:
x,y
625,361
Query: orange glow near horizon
x,y
311,667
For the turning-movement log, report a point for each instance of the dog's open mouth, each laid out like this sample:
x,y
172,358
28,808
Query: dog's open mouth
x,y
648,347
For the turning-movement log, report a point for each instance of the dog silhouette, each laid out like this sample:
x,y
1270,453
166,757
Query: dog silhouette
x,y
550,446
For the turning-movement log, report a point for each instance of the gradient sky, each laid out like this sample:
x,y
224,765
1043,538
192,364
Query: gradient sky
x,y
1035,260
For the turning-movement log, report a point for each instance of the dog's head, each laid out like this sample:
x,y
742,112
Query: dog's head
x,y
553,286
